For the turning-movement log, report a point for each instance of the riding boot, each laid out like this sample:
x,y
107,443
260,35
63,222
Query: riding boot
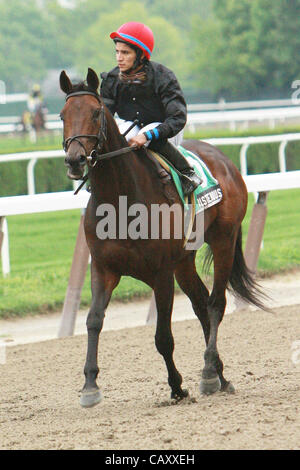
x,y
190,180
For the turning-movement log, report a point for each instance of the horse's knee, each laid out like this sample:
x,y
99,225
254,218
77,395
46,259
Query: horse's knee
x,y
164,343
94,320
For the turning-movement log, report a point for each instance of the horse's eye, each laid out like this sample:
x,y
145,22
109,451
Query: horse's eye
x,y
96,114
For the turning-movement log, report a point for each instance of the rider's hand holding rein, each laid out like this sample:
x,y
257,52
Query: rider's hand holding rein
x,y
138,140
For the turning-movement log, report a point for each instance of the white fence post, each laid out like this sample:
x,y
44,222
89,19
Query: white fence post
x,y
2,92
282,158
4,246
30,176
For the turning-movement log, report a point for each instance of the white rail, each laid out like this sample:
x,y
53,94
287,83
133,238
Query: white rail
x,y
32,158
31,204
244,142
250,115
223,105
218,115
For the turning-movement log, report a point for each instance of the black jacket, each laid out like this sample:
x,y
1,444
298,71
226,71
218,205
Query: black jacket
x,y
159,98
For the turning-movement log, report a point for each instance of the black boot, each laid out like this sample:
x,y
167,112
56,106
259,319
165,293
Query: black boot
x,y
190,180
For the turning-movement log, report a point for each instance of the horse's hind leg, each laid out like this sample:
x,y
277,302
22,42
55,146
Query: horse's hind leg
x,y
191,284
102,286
164,295
223,254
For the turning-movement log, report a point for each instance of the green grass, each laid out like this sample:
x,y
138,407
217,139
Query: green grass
x,y
281,243
251,131
21,143
41,249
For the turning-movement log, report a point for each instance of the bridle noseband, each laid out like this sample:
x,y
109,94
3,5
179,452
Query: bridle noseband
x,y
100,137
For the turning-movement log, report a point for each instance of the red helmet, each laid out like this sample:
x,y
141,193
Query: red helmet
x,y
138,35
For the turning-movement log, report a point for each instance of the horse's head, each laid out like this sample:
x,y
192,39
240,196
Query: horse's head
x,y
81,116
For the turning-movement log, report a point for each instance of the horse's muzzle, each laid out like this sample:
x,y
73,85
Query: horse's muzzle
x,y
75,166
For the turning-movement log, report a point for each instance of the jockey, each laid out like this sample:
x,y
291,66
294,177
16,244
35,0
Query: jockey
x,y
35,98
148,92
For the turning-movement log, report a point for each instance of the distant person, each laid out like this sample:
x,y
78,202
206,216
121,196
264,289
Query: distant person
x,y
35,99
138,89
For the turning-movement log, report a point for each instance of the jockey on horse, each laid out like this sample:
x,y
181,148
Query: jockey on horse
x,y
35,99
37,107
149,94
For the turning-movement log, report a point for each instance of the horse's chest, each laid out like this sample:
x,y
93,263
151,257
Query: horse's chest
x,y
120,257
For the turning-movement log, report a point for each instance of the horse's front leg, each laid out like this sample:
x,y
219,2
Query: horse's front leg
x,y
102,283
164,295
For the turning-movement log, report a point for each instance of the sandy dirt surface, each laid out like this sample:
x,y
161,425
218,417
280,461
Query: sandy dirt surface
x,y
41,382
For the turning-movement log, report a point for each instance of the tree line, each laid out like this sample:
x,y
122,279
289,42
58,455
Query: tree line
x,y
236,49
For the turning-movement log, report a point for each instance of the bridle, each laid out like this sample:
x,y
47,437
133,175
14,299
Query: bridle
x,y
95,154
100,137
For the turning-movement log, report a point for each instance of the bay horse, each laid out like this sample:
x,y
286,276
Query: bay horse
x,y
90,132
38,118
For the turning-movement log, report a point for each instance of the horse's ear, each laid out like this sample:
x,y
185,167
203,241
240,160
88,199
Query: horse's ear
x,y
65,82
92,79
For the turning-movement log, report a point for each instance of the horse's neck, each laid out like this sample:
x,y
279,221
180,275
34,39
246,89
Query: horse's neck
x,y
118,176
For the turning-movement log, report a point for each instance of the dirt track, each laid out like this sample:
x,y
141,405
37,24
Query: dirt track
x,y
40,383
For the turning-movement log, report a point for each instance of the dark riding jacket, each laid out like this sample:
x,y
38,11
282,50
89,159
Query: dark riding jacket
x,y
158,99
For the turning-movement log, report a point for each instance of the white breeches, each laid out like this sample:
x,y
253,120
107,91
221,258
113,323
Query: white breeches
x,y
123,126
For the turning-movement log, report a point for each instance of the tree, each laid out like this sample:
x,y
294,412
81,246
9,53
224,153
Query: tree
x,y
248,47
276,40
29,43
19,55
180,12
95,48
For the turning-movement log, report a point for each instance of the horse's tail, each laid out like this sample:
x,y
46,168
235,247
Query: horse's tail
x,y
241,280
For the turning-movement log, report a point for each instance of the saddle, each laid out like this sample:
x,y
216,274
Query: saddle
x,y
162,170
204,196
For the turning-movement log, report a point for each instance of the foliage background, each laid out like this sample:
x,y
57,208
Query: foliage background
x,y
235,49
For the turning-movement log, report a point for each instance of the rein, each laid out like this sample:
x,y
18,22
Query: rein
x,y
96,155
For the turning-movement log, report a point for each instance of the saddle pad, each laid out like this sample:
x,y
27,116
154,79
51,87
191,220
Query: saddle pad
x,y
208,193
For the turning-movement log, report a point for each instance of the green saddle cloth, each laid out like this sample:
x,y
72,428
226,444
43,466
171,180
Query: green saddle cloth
x,y
208,193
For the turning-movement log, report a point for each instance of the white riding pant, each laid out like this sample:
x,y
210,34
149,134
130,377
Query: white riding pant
x,y
124,125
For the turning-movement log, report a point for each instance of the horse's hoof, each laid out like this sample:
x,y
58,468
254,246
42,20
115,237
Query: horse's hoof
x,y
179,395
209,386
90,398
228,388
